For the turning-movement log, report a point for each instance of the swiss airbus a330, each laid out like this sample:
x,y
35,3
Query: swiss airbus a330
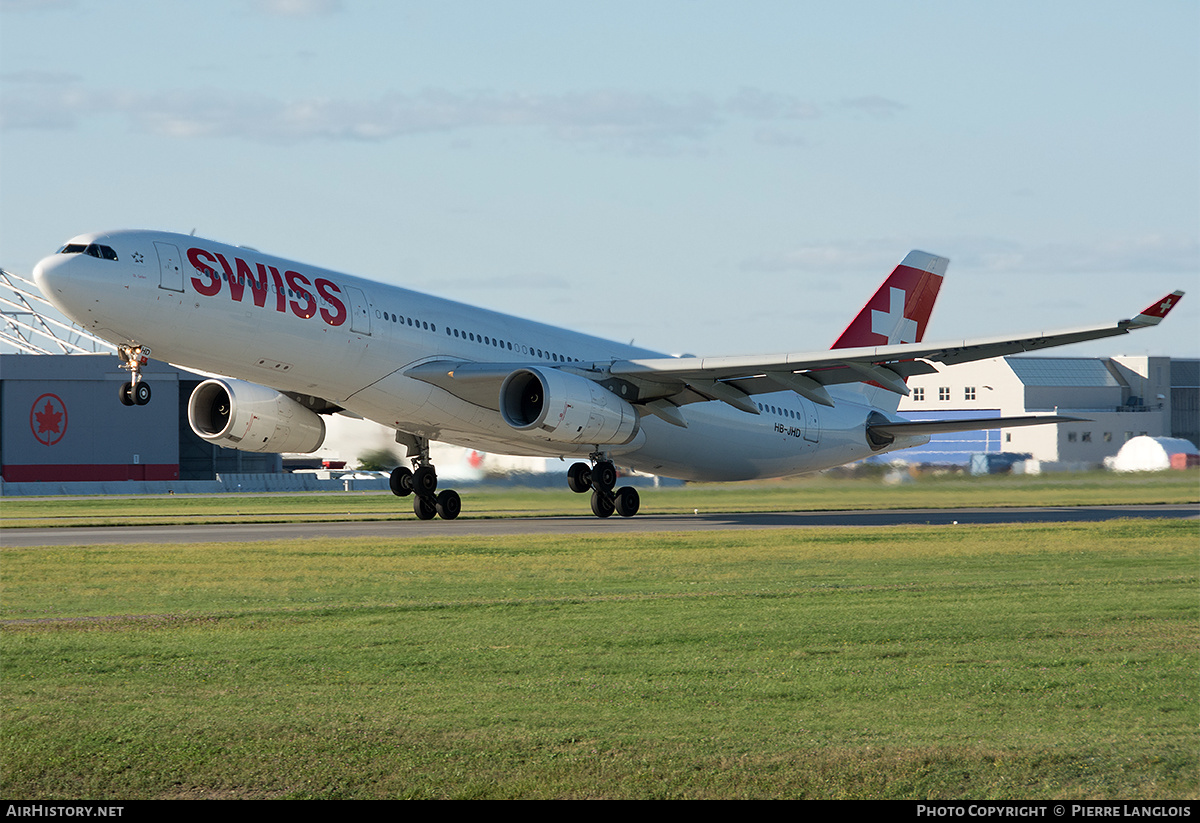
x,y
292,342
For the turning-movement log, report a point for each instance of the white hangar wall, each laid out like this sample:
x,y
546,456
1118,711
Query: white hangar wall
x,y
1121,397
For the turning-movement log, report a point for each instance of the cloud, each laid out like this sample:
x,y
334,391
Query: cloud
x,y
762,105
513,282
854,256
873,105
1136,254
600,116
298,8
1157,253
614,119
36,5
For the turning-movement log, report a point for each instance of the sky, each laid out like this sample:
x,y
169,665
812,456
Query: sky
x,y
696,177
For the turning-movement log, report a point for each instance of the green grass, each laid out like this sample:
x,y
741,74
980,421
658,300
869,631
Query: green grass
x,y
936,662
802,494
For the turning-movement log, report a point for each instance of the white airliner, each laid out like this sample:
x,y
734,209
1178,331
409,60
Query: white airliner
x,y
292,342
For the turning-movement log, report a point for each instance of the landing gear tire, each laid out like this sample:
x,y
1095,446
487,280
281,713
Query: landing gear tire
x,y
604,476
579,478
424,507
448,504
134,394
627,501
401,481
602,504
425,480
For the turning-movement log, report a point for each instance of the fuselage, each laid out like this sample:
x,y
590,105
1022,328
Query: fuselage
x,y
307,331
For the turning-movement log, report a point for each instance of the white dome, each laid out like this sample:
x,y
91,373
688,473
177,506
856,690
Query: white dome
x,y
1147,454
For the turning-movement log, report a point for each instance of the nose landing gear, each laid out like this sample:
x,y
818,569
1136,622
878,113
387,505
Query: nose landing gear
x,y
137,391
600,478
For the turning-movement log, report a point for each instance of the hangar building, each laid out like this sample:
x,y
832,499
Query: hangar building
x,y
1120,397
61,421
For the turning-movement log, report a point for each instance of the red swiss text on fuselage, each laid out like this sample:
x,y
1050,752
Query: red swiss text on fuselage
x,y
293,290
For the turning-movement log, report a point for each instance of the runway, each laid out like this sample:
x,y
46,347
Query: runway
x,y
403,528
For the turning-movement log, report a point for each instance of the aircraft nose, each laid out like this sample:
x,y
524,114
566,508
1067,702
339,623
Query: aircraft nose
x,y
53,275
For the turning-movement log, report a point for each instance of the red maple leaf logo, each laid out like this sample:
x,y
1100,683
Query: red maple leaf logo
x,y
48,419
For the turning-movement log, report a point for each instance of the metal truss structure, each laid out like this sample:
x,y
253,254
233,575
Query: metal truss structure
x,y
30,324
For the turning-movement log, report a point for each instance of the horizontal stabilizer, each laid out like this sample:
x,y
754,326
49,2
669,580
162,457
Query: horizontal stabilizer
x,y
910,428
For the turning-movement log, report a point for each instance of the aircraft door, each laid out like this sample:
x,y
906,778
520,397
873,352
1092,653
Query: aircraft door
x,y
170,269
360,315
812,421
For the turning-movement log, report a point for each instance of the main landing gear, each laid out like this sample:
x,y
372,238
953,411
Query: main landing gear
x,y
600,478
137,391
427,502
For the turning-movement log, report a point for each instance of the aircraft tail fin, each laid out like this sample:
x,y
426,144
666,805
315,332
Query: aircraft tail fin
x,y
899,311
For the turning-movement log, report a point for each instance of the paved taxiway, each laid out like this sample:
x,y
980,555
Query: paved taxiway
x,y
409,527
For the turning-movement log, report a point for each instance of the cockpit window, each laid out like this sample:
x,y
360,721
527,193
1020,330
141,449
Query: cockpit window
x,y
93,250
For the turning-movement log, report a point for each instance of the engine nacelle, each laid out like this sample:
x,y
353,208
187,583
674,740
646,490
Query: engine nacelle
x,y
566,408
240,415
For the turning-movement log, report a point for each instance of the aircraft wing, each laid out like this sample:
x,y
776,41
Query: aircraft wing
x,y
661,385
807,373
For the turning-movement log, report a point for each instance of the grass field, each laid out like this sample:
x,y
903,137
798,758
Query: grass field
x,y
921,662
801,494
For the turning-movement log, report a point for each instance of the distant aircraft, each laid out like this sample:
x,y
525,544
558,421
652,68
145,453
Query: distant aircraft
x,y
287,343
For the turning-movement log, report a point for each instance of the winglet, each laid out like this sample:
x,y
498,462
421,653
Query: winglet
x,y
1153,314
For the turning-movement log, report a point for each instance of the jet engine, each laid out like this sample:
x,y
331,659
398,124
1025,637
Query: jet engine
x,y
240,415
566,408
